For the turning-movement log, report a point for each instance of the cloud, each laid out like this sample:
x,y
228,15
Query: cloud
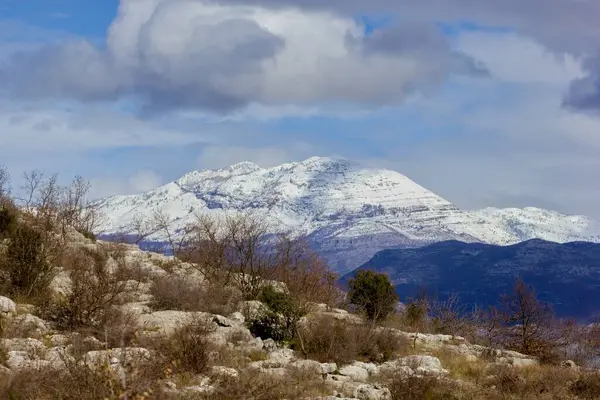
x,y
176,55
564,25
561,26
140,181
46,129
519,59
584,93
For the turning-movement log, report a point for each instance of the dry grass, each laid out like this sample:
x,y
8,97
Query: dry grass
x,y
460,367
294,384
404,387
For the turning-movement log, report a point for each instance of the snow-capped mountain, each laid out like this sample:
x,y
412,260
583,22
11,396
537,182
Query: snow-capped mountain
x,y
349,212
531,223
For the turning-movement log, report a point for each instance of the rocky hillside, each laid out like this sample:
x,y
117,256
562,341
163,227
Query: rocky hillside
x,y
149,326
565,275
348,211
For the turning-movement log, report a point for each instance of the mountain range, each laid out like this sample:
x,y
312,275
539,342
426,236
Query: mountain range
x,y
347,211
567,276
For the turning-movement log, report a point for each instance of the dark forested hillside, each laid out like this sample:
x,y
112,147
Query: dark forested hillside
x,y
565,275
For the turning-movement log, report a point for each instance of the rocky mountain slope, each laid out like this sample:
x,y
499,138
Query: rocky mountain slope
x,y
349,212
564,275
531,223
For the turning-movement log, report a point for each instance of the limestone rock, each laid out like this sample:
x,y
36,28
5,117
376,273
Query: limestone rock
x,y
7,305
30,325
419,364
237,317
221,372
372,392
61,284
252,310
118,357
356,373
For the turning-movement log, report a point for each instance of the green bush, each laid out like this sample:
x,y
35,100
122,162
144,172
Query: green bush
x,y
25,268
280,323
373,293
8,218
270,326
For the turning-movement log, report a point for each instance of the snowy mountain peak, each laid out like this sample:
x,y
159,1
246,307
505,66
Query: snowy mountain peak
x,y
348,211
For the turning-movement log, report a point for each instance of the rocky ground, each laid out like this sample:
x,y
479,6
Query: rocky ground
x,y
31,344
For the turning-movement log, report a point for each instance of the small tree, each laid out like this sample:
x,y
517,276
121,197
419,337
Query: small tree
x,y
449,316
373,293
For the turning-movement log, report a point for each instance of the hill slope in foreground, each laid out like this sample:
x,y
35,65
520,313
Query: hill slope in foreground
x,y
348,211
565,275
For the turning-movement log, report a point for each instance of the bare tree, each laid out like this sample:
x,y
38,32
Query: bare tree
x,y
490,323
74,208
4,181
32,181
142,228
528,320
208,248
176,240
306,275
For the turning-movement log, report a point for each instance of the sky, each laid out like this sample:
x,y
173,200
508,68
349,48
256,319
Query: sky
x,y
484,102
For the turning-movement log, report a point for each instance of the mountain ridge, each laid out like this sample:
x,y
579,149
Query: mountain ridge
x,y
348,211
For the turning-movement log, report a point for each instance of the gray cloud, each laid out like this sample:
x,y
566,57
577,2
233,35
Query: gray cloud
x,y
421,41
177,55
563,26
584,93
217,68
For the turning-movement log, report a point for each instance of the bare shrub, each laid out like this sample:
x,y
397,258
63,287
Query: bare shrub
x,y
94,292
490,324
329,340
240,251
188,348
176,292
450,317
307,277
76,211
